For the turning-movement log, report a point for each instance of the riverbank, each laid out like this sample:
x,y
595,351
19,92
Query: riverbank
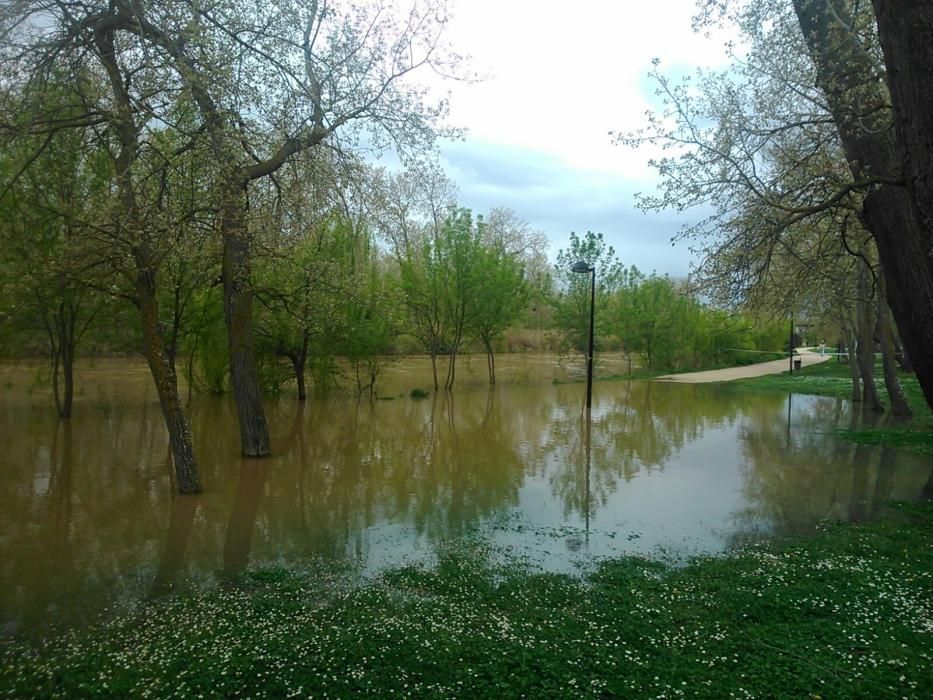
x,y
844,614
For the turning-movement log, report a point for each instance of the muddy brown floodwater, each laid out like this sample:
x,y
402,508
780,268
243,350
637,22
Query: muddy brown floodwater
x,y
89,520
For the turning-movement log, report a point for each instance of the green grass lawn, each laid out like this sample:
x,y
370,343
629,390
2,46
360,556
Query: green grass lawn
x,y
846,614
831,378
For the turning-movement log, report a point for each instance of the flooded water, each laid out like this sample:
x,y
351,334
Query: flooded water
x,y
89,520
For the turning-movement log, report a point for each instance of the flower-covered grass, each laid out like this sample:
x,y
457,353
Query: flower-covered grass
x,y
847,614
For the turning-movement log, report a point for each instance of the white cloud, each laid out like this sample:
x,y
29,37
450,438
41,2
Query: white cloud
x,y
561,76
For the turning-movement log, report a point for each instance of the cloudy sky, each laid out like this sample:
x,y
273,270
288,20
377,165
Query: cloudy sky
x,y
561,76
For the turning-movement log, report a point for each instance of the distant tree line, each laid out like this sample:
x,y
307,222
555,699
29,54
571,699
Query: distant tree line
x,y
658,321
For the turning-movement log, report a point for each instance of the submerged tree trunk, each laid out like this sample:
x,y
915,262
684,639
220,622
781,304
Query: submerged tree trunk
x,y
853,368
887,136
60,327
238,311
298,364
434,369
490,362
163,374
866,343
899,404
68,363
373,365
451,370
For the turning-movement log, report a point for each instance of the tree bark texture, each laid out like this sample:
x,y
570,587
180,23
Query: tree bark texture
x,y
490,363
163,374
899,404
892,149
866,343
238,311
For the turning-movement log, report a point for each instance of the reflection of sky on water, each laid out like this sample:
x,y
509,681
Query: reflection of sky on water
x,y
89,519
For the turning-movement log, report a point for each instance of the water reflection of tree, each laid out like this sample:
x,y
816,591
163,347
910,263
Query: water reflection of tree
x,y
798,472
86,518
75,512
437,465
638,426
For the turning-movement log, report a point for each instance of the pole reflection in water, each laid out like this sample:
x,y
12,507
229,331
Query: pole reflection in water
x,y
588,436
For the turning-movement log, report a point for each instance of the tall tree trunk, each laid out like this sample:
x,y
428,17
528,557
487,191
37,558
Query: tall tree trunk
x,y
166,383
163,372
894,155
61,350
238,311
866,343
905,28
853,367
69,341
899,404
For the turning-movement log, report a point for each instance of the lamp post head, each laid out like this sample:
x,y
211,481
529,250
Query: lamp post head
x,y
582,266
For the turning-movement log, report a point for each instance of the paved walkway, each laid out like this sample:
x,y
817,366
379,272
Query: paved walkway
x,y
805,356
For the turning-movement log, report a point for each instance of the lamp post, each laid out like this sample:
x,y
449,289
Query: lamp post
x,y
584,267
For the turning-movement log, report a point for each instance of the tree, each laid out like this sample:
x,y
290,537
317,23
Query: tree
x,y
302,287
500,295
372,321
44,228
272,81
119,91
883,115
825,82
440,285
572,301
422,288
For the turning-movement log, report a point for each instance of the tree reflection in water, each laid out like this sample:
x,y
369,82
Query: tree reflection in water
x,y
87,520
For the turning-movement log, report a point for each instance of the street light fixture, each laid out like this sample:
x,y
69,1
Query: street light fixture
x,y
584,267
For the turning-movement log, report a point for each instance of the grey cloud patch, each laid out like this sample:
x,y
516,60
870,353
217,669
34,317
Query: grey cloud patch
x,y
500,165
558,199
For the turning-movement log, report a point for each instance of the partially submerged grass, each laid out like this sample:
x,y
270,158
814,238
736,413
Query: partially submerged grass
x,y
846,614
832,379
